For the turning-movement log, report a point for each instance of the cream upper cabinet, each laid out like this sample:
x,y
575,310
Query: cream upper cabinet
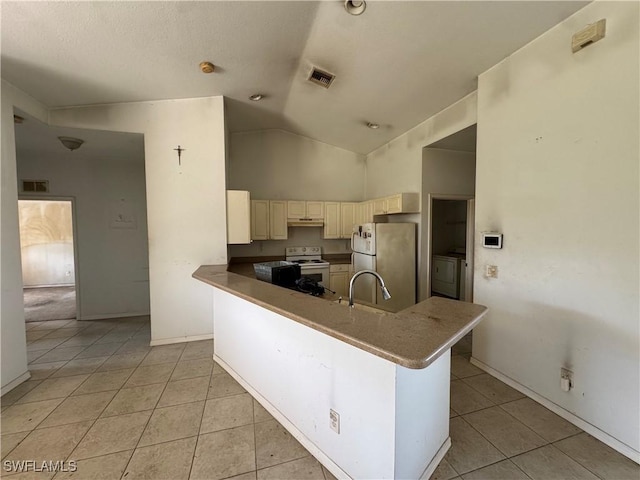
x,y
331,220
363,213
259,219
403,203
380,206
315,210
238,217
296,209
300,209
278,220
369,212
398,203
347,218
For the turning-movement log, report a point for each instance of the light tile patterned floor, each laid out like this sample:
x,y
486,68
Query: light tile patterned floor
x,y
101,396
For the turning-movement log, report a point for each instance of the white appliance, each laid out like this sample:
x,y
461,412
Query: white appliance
x,y
447,275
311,263
390,250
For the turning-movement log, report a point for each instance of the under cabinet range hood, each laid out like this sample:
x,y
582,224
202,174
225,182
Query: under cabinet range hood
x,y
305,222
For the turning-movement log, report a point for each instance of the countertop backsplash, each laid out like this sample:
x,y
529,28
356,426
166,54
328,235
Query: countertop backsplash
x,y
298,237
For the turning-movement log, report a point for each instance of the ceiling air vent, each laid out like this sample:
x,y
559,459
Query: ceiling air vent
x,y
320,77
35,186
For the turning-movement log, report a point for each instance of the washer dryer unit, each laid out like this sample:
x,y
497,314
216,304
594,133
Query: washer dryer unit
x,y
446,274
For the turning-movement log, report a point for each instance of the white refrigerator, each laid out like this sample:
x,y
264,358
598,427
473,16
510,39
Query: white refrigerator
x,y
390,250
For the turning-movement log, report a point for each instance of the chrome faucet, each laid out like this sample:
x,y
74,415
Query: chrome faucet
x,y
385,293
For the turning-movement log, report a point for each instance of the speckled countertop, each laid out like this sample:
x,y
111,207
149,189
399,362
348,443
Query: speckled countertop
x,y
413,337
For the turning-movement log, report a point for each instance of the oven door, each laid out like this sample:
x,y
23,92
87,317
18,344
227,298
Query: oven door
x,y
316,273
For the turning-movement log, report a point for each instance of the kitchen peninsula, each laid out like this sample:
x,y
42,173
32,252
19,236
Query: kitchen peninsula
x,y
366,393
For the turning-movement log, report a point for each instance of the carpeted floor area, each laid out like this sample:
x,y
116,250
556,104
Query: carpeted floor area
x,y
49,303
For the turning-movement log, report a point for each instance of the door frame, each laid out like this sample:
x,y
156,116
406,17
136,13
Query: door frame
x,y
74,228
470,239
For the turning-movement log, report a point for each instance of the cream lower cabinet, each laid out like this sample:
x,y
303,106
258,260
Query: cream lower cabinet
x,y
339,277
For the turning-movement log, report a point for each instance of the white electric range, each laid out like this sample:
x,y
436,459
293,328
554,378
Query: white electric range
x,y
311,263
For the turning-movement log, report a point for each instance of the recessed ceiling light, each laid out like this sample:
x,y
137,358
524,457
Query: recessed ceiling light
x,y
355,7
256,97
373,126
207,67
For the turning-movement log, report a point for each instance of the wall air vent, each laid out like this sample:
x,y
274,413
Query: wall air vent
x,y
35,186
320,77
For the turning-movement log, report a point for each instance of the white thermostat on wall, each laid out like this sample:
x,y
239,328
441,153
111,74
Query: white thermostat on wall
x,y
491,240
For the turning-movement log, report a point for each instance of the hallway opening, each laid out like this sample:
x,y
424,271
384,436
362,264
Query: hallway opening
x,y
48,259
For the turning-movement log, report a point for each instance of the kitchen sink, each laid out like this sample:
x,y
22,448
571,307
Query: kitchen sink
x,y
360,306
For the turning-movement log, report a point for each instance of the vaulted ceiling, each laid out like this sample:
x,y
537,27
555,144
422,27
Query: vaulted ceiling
x,y
396,64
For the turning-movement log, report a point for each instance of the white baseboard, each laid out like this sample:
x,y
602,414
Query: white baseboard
x,y
169,341
113,315
436,460
291,428
14,383
592,430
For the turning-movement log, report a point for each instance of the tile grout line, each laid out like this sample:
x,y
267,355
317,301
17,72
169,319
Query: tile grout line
x,y
495,446
94,421
204,407
153,410
64,398
571,457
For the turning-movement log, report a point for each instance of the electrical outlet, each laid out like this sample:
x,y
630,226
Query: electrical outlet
x,y
566,379
491,271
334,418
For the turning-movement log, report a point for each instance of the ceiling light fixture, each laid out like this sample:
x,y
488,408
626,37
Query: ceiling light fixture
x,y
373,126
71,143
207,67
256,97
355,7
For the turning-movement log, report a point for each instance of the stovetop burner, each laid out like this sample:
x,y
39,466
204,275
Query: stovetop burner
x,y
306,256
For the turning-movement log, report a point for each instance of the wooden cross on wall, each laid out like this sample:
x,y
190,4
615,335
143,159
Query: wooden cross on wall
x,y
179,150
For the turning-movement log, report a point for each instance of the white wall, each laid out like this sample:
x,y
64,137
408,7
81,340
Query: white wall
x,y
185,204
113,262
393,419
557,173
12,329
444,172
398,167
275,164
298,236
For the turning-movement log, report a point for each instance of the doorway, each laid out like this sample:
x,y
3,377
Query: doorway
x,y
448,191
48,251
451,234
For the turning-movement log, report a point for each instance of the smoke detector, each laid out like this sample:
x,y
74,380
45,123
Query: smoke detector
x,y
322,78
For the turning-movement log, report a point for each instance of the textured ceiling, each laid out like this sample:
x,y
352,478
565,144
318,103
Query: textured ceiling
x,y
35,139
396,65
